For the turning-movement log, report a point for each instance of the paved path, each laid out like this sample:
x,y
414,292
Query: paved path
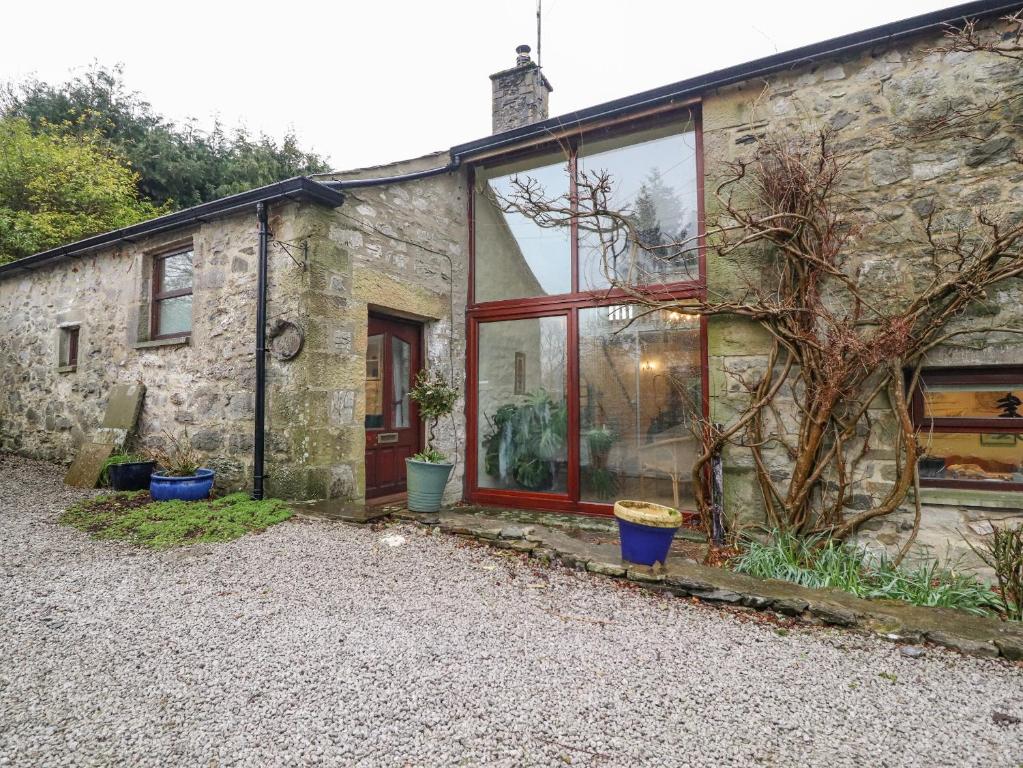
x,y
320,644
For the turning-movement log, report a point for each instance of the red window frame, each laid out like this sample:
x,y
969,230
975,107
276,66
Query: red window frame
x,y
569,305
1010,375
160,295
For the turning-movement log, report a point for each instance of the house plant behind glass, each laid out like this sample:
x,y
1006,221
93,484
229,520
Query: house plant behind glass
x,y
127,472
181,475
428,471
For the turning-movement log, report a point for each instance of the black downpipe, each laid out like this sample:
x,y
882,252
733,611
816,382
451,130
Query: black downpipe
x,y
257,442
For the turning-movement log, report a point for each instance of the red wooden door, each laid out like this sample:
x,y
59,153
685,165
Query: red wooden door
x,y
392,419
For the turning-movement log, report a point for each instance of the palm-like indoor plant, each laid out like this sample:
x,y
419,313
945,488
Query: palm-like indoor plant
x,y
181,475
428,471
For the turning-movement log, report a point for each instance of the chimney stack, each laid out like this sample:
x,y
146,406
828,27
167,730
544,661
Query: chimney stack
x,y
519,94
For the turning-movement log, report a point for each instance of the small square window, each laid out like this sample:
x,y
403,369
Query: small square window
x,y
172,295
68,353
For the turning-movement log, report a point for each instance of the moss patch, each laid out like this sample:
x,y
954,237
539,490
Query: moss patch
x,y
136,518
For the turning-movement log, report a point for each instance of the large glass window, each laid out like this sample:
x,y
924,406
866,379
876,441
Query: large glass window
x,y
652,179
639,402
971,426
515,256
582,399
522,412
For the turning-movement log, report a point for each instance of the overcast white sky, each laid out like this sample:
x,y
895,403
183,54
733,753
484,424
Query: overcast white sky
x,y
371,82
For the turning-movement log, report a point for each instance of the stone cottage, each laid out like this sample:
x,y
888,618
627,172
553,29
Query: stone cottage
x,y
371,275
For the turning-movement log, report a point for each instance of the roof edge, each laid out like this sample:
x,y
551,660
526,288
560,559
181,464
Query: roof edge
x,y
297,188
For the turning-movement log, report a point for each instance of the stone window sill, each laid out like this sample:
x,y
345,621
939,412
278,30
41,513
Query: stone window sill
x,y
177,341
963,497
67,368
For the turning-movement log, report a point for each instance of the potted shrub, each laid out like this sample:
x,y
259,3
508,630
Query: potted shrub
x,y
526,442
646,530
128,472
181,475
428,471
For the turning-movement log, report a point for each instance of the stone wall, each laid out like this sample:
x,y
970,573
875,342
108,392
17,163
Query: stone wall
x,y
406,253
869,99
203,385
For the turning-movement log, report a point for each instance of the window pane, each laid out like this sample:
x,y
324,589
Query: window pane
x,y
522,437
640,396
653,181
174,315
515,257
176,272
401,362
969,456
374,383
973,401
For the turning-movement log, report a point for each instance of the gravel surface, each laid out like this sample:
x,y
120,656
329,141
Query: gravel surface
x,y
320,644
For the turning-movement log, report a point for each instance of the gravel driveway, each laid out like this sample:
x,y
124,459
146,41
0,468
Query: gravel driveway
x,y
319,644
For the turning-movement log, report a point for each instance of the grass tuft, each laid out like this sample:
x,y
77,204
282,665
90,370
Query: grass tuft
x,y
136,518
819,562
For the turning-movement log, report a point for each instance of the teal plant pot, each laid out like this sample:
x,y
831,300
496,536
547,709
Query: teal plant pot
x,y
426,482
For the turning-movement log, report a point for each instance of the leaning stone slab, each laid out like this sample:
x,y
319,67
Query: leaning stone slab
x,y
123,406
88,464
963,644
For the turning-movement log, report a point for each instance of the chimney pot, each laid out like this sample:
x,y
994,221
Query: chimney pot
x,y
520,93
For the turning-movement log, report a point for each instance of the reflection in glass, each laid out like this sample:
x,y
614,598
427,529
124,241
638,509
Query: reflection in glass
x,y
522,437
654,183
972,401
639,399
401,361
176,272
969,456
374,383
175,315
515,257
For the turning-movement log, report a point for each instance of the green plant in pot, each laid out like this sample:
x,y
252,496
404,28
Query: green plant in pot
x,y
598,480
526,442
127,472
428,471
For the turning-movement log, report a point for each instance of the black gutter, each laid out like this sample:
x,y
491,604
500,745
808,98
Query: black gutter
x,y
260,404
299,188
697,86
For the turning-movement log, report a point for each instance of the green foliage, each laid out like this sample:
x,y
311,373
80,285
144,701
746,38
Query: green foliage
x,y
525,441
124,161
431,456
1002,551
820,562
435,398
135,518
118,458
58,185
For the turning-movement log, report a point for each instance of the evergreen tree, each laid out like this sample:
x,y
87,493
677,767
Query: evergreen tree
x,y
177,166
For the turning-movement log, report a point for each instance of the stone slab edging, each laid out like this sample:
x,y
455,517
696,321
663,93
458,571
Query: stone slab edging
x,y
892,620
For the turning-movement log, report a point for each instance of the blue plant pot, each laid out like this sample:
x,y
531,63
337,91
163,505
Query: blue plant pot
x,y
190,488
644,544
426,482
